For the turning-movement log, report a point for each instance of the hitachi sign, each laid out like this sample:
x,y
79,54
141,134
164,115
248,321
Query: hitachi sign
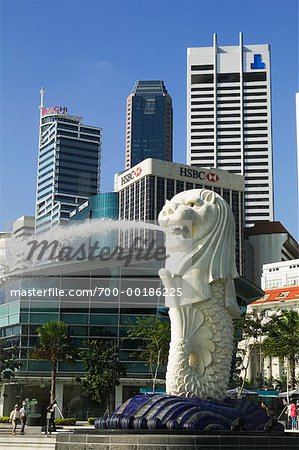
x,y
192,173
54,110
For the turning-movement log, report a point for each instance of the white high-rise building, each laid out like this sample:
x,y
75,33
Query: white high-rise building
x,y
229,118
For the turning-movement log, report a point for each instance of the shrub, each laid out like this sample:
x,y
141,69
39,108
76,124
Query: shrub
x,y
91,420
4,419
67,421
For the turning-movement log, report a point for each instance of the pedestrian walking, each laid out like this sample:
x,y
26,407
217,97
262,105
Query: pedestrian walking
x,y
24,413
15,418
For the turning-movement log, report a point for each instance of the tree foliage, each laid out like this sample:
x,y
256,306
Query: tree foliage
x,y
8,360
54,345
102,372
155,335
247,335
282,339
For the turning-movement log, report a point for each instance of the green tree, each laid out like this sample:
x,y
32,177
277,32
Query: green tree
x,y
102,372
282,339
155,335
8,360
54,346
248,331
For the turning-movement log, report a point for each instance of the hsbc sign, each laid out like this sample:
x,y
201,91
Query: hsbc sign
x,y
200,174
131,175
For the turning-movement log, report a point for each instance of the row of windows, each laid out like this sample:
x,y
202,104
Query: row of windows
x,y
42,174
234,94
222,130
228,77
71,163
230,88
80,157
211,116
261,199
229,102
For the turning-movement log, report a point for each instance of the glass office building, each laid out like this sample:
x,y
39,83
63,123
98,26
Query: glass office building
x,y
68,166
149,123
89,317
100,206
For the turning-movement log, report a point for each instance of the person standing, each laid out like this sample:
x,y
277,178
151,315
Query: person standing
x,y
15,418
293,415
50,418
24,413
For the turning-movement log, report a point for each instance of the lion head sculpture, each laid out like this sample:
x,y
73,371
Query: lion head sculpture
x,y
200,243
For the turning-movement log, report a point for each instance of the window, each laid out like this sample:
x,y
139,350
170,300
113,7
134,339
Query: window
x,y
283,294
229,108
202,95
203,67
231,94
228,77
201,109
200,130
204,116
204,78
255,76
199,89
228,115
228,102
202,103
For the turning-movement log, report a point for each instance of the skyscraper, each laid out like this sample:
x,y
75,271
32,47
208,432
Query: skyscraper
x,y
68,165
229,118
149,123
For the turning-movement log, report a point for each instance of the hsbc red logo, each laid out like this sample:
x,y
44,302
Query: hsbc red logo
x,y
212,176
137,171
131,175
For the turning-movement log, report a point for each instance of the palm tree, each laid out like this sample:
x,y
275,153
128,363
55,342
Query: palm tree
x,y
54,345
282,339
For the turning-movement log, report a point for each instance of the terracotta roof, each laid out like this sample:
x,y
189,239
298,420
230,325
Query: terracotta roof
x,y
285,293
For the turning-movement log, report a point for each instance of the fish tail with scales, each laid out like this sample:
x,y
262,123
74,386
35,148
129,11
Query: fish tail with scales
x,y
200,359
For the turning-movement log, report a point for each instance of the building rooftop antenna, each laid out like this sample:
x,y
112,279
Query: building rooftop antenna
x,y
42,95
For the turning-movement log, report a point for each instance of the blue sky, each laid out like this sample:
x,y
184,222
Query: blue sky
x,y
88,55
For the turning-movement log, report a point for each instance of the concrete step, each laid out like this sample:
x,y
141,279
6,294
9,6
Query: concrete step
x,y
28,442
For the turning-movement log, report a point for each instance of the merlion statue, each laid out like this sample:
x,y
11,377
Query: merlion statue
x,y
198,277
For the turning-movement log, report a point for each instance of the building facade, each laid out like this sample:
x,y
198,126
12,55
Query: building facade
x,y
261,367
144,189
68,165
229,118
265,243
100,206
280,274
23,227
148,123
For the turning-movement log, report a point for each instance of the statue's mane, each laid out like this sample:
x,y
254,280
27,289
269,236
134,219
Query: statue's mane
x,y
216,252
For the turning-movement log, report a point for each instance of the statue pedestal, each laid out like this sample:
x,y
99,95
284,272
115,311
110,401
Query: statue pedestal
x,y
158,412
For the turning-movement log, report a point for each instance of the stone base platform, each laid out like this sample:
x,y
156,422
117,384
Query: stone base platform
x,y
175,440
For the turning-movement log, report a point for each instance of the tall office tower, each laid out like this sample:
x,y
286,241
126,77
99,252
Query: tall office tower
x,y
68,165
229,118
149,123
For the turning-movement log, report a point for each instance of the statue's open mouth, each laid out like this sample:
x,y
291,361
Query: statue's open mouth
x,y
182,231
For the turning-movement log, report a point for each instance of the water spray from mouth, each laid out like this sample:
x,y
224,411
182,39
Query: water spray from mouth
x,y
94,239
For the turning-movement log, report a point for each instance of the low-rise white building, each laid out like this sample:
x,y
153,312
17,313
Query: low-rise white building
x,y
260,367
